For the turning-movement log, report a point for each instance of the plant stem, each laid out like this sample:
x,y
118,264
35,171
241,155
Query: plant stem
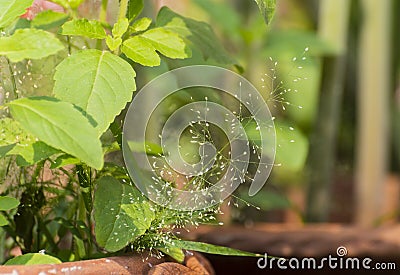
x,y
2,245
103,11
85,208
123,8
13,83
69,44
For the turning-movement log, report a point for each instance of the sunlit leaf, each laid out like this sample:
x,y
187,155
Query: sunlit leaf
x,y
167,43
141,51
98,82
32,153
64,160
16,141
60,125
113,43
174,252
121,214
29,44
140,25
267,9
211,249
142,48
48,19
11,9
33,259
83,27
120,27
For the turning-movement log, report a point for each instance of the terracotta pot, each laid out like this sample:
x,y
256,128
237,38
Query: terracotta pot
x,y
128,264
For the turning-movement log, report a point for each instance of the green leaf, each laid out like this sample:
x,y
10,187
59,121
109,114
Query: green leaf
x,y
29,43
121,214
33,259
12,135
32,153
3,220
98,82
167,42
11,9
120,27
140,25
141,51
16,141
142,48
211,249
113,43
63,160
267,9
83,27
135,7
75,3
175,253
149,148
60,125
48,19
8,203
198,33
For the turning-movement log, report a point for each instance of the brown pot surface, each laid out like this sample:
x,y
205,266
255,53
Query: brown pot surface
x,y
128,264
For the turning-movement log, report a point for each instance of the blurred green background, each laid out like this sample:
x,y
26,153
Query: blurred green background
x,y
336,100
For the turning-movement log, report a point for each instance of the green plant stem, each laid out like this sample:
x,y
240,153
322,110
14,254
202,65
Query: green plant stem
x,y
38,240
13,82
86,201
103,11
2,245
69,44
123,8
